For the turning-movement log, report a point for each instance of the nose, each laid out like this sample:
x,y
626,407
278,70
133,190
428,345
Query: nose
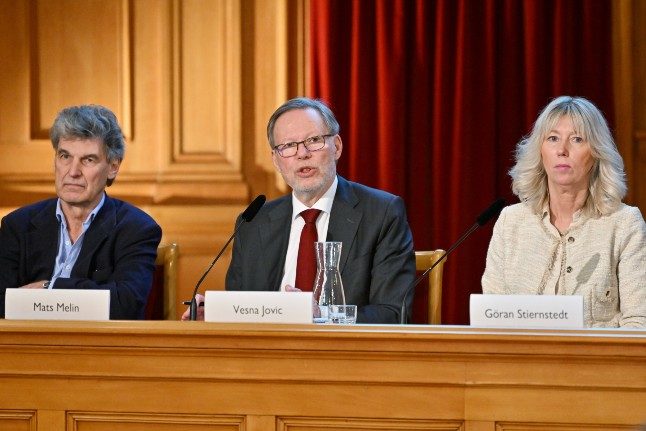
x,y
75,168
562,148
302,152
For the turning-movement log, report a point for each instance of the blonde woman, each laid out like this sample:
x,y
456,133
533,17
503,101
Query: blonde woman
x,y
571,234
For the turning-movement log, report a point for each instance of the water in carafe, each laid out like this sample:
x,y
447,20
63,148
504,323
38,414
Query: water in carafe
x,y
328,287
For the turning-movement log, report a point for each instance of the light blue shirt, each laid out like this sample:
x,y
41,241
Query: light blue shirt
x,y
68,253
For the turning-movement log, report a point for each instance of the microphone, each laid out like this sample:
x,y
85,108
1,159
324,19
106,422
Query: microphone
x,y
246,216
492,211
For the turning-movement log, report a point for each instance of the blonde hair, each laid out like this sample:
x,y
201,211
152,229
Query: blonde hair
x,y
607,186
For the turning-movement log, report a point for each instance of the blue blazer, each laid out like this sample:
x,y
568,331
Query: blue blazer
x,y
118,253
377,256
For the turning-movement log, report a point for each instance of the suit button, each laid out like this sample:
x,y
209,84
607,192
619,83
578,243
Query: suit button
x,y
568,269
570,240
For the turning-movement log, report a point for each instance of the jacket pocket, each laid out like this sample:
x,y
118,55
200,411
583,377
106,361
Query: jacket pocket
x,y
605,303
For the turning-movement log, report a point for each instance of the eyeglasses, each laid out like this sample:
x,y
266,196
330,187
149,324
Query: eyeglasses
x,y
290,149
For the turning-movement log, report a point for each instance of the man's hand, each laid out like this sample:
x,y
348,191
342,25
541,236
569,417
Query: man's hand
x,y
289,288
35,285
200,309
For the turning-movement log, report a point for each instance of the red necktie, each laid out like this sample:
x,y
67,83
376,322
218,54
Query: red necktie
x,y
306,263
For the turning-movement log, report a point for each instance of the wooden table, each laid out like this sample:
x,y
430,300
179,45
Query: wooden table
x,y
100,376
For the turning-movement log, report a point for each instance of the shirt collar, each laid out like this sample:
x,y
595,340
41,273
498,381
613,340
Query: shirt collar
x,y
88,220
324,203
577,217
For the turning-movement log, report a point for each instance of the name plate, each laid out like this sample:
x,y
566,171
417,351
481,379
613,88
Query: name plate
x,y
269,307
57,304
527,311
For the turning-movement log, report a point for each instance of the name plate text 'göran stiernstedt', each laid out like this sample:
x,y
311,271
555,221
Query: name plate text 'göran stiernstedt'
x,y
527,311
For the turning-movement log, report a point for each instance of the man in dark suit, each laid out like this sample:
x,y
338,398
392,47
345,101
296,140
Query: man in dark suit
x,y
83,239
377,260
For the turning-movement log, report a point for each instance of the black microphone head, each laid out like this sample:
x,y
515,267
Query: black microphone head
x,y
253,208
491,212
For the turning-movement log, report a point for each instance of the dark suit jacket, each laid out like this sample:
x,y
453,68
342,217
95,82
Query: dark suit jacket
x,y
377,256
118,253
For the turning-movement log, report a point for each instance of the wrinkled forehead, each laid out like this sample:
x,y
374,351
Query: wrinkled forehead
x,y
81,146
297,125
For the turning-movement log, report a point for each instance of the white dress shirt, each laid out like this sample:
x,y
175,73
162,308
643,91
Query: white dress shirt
x,y
325,205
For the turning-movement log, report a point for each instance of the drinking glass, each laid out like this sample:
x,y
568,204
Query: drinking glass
x,y
343,314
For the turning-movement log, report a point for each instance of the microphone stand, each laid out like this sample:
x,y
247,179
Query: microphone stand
x,y
246,216
492,211
193,302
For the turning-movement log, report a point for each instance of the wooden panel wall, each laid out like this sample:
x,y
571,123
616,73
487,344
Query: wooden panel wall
x,y
629,67
192,82
639,102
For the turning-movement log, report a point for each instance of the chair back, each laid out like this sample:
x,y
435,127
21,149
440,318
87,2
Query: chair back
x,y
162,298
427,304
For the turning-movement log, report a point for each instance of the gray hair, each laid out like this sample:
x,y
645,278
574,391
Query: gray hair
x,y
303,103
90,122
607,185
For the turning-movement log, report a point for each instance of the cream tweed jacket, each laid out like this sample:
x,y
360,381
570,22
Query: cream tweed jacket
x,y
602,259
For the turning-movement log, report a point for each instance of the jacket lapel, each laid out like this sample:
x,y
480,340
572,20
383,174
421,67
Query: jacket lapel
x,y
42,243
344,219
274,238
102,226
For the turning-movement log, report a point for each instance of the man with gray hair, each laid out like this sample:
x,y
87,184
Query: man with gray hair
x,y
377,262
83,239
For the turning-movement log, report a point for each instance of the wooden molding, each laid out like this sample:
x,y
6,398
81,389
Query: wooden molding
x,y
101,420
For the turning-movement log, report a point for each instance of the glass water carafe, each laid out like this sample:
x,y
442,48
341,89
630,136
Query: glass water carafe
x,y
328,287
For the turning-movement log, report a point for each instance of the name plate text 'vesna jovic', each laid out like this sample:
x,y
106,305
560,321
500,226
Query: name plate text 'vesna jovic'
x,y
256,307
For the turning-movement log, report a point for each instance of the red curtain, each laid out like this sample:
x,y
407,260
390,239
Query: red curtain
x,y
432,96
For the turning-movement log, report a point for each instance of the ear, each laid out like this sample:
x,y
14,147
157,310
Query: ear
x,y
113,169
338,144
